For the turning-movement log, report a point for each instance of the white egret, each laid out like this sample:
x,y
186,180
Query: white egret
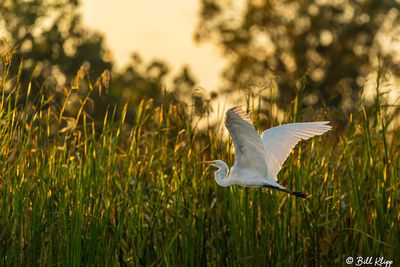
x,y
259,158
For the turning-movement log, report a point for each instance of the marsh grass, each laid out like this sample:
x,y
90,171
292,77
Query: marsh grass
x,y
80,195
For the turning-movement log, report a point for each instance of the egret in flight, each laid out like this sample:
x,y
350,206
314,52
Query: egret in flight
x,y
258,158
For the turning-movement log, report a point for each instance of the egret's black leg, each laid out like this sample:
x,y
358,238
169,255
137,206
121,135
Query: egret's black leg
x,y
294,193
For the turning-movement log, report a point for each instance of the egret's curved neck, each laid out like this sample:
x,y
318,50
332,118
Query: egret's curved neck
x,y
221,174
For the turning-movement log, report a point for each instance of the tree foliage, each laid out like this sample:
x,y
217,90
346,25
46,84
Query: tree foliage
x,y
55,48
50,38
333,44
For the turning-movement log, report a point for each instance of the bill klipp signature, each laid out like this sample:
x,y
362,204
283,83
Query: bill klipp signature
x,y
371,261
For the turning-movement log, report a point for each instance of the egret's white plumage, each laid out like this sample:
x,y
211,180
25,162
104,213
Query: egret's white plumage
x,y
279,141
259,158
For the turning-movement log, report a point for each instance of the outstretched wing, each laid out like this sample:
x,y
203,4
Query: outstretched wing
x,y
279,141
247,141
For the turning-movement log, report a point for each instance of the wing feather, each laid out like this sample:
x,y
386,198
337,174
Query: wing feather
x,y
279,142
248,145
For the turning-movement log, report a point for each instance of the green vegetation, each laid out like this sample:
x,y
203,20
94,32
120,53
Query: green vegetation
x,y
80,192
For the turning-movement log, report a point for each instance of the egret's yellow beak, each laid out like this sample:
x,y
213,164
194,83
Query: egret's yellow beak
x,y
206,162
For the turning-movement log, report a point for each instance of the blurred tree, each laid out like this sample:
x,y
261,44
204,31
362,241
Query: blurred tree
x,y
50,38
140,80
184,83
56,48
331,43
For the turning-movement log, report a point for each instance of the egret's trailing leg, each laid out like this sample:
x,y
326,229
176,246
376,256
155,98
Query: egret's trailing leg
x,y
294,193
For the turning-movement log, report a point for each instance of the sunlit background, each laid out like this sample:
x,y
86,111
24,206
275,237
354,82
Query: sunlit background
x,y
212,54
165,30
156,29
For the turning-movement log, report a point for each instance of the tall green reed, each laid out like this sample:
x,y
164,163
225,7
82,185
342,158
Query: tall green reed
x,y
73,193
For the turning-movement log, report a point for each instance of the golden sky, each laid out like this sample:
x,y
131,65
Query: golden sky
x,y
156,29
